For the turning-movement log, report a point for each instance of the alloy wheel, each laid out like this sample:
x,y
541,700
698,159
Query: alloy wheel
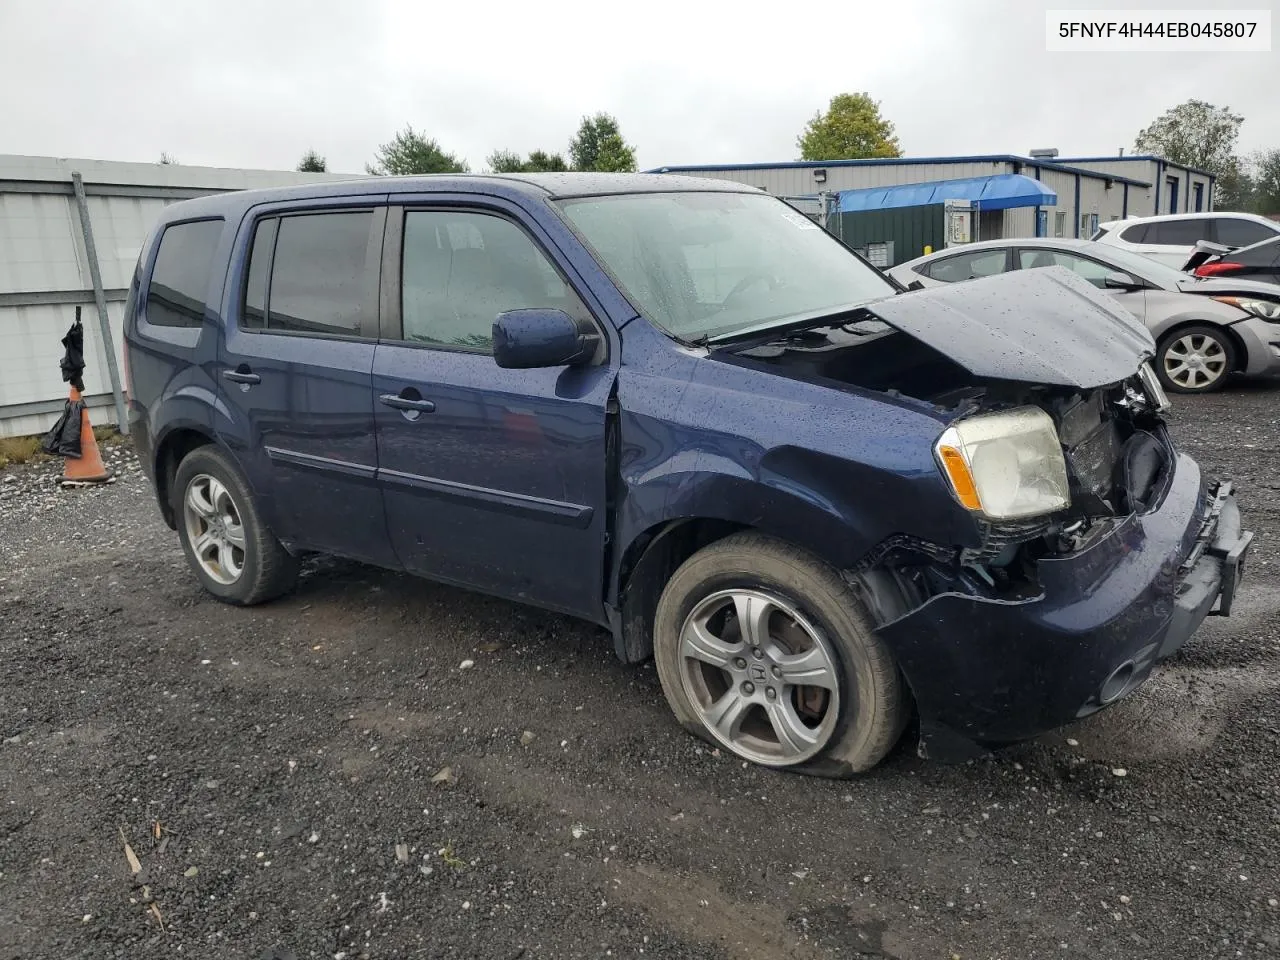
x,y
761,677
214,528
1195,361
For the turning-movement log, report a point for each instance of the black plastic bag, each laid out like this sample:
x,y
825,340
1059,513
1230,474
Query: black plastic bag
x,y
63,438
72,361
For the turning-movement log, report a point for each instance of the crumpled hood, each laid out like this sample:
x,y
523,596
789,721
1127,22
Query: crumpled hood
x,y
1046,326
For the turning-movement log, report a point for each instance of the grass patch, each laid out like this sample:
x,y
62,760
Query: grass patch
x,y
20,450
108,436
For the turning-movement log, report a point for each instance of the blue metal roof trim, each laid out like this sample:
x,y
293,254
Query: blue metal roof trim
x,y
877,161
1000,192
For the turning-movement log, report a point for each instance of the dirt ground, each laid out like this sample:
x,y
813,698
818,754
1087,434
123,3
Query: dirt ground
x,y
280,776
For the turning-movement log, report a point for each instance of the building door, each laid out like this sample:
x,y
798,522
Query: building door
x,y
1173,194
1042,222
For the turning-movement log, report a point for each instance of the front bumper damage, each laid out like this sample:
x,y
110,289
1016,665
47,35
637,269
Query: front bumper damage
x,y
987,671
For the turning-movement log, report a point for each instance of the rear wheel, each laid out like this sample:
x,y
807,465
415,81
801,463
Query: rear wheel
x,y
764,650
236,557
1195,360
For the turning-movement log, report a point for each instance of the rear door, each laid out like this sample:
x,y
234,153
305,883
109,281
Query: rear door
x,y
493,479
295,374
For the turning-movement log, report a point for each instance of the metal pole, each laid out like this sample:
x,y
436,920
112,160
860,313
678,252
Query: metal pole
x,y
100,298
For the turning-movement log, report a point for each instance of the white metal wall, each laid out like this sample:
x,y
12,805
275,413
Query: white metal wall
x,y
1142,201
42,257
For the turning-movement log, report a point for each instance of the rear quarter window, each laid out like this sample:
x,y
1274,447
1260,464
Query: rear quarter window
x,y
1241,233
180,278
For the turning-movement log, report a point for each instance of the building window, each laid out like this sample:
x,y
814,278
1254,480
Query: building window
x,y
1060,224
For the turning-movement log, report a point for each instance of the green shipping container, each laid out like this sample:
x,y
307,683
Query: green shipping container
x,y
909,229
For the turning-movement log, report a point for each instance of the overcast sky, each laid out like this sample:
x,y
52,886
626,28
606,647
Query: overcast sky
x,y
254,83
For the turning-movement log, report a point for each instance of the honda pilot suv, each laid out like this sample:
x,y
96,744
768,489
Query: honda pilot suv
x,y
679,409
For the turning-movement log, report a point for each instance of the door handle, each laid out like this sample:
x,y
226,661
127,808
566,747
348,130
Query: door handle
x,y
403,403
241,376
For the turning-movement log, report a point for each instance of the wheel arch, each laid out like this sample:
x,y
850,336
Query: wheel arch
x,y
170,451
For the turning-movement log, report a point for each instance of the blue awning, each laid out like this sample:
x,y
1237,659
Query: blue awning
x,y
990,193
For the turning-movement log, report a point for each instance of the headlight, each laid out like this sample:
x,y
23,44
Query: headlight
x,y
1265,309
1005,465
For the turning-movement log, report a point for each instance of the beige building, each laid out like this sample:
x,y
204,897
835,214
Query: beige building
x,y
1088,191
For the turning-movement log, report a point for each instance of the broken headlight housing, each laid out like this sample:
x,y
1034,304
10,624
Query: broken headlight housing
x,y
1005,465
1266,309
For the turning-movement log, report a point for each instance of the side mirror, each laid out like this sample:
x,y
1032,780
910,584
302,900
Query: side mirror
x,y
525,339
1116,280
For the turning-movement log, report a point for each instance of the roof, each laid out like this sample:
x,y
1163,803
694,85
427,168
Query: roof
x,y
883,161
543,186
1000,192
1145,157
1199,215
1052,243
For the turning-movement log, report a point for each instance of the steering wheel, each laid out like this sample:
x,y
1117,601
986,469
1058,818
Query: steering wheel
x,y
749,281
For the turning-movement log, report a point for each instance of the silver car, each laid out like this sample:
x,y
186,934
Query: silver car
x,y
1205,330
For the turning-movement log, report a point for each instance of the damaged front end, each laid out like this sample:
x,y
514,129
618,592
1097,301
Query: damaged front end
x,y
1096,548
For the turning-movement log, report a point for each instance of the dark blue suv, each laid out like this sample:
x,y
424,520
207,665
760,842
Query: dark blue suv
x,y
681,410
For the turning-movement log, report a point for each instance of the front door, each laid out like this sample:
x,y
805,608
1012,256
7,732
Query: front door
x,y
492,479
1135,301
296,375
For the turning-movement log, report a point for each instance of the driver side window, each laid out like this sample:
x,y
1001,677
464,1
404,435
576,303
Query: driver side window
x,y
1090,270
461,269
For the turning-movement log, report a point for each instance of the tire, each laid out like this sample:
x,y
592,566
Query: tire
x,y
847,730
257,570
1188,355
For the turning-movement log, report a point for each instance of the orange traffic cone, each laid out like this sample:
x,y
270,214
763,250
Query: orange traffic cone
x,y
88,467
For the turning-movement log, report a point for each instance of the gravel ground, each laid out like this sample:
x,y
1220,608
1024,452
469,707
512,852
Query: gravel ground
x,y
380,767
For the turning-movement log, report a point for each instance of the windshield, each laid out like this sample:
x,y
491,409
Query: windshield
x,y
1146,268
718,264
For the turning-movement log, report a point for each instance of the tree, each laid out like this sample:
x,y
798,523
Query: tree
x,y
598,145
851,129
505,161
1234,189
1266,182
542,162
539,161
1198,134
412,153
166,158
312,162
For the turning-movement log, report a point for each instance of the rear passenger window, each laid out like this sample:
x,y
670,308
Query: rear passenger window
x,y
970,266
1135,234
180,277
1178,233
1241,233
460,270
308,274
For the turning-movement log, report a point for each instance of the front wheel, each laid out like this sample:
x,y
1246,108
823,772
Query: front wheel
x,y
1195,360
767,652
236,557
